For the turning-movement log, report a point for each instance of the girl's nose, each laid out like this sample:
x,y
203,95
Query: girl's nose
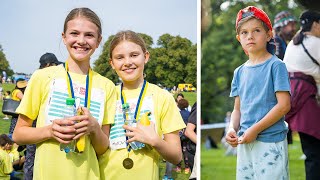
x,y
81,40
127,61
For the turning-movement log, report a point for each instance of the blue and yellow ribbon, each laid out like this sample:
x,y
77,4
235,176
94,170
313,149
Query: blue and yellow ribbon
x,y
88,86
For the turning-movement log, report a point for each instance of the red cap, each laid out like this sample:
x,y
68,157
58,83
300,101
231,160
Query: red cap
x,y
255,12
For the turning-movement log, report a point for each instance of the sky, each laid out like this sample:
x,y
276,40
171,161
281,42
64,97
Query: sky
x,y
31,28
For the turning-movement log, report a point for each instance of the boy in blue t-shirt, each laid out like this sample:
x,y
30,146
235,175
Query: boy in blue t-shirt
x,y
262,97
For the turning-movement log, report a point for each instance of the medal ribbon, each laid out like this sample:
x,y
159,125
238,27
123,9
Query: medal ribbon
x,y
88,86
140,99
139,103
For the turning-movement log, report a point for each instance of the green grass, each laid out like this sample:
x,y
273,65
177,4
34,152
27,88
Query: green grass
x,y
5,124
215,165
176,176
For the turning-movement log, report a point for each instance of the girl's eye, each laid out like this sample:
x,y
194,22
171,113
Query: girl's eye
x,y
118,58
244,32
134,55
257,30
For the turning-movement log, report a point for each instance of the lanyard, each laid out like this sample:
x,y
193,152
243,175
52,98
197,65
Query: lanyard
x,y
139,103
140,99
88,86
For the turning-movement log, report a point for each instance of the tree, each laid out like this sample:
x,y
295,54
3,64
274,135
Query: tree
x,y
222,53
173,61
4,64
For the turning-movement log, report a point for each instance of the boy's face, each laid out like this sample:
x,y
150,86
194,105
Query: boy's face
x,y
253,36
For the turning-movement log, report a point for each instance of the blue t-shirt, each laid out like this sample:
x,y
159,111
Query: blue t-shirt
x,y
256,87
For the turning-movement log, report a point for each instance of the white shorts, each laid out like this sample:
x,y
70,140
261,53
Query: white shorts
x,y
263,161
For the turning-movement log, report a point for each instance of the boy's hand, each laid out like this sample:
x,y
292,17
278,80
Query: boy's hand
x,y
232,138
249,136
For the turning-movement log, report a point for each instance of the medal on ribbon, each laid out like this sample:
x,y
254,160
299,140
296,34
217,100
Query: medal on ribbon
x,y
128,162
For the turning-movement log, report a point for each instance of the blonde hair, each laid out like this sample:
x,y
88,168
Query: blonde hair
x,y
127,36
83,12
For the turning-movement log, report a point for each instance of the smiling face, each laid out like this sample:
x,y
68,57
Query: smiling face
x,y
253,36
81,38
128,60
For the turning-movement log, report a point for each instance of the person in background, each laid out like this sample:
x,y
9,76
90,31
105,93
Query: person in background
x,y
17,157
191,133
6,96
181,96
183,105
47,60
17,95
5,160
302,60
285,28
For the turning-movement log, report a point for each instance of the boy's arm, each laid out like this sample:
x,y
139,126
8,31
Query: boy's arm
x,y
279,110
231,136
235,115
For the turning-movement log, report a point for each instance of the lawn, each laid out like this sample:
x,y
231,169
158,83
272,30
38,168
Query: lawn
x,y
5,124
215,165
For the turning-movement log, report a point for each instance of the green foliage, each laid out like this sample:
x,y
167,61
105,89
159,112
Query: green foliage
x,y
222,54
4,64
173,61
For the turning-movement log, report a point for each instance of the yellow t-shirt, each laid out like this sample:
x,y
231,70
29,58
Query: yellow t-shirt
x,y
14,154
167,119
5,165
44,99
14,94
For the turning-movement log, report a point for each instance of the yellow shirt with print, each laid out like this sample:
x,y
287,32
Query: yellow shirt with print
x,y
167,119
5,165
44,99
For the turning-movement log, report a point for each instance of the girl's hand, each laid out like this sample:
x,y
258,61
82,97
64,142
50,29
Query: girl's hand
x,y
232,137
248,136
86,123
63,130
141,133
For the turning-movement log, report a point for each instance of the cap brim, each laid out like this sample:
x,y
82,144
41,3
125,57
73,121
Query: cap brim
x,y
22,84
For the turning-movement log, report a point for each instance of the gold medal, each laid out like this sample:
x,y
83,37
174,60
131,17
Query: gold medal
x,y
127,163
